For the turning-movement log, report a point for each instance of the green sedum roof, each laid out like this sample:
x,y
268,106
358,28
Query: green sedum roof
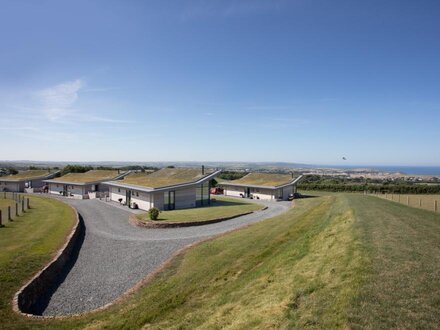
x,y
263,179
165,177
26,175
90,176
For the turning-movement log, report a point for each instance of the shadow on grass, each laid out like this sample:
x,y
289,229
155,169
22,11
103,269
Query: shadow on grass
x,y
308,196
216,202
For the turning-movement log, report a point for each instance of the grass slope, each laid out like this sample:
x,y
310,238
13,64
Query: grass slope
x,y
220,208
26,175
402,281
338,261
26,245
263,179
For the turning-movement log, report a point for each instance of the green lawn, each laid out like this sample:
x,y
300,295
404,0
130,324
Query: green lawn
x,y
344,261
221,207
26,245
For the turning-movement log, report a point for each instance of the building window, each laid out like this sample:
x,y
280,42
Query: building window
x,y
203,194
169,200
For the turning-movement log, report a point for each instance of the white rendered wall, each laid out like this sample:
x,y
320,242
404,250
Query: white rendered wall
x,y
55,188
185,198
142,199
116,193
11,186
233,191
75,191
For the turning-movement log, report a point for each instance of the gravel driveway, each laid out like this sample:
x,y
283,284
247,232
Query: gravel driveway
x,y
116,255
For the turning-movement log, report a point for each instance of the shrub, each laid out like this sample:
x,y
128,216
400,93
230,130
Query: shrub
x,y
153,213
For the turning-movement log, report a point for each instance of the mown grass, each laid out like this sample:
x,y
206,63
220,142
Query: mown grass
x,y
26,245
334,262
221,207
402,282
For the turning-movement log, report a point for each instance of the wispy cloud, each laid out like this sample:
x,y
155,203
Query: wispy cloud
x,y
57,101
59,104
230,8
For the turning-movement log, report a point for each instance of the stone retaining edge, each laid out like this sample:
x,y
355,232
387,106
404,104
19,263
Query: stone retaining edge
x,y
28,294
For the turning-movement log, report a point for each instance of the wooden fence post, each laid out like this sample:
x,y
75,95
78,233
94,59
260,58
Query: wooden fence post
x,y
9,213
16,208
22,205
435,206
420,202
28,203
1,219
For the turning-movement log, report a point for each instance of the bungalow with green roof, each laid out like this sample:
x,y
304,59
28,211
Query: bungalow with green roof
x,y
166,189
83,185
266,186
25,180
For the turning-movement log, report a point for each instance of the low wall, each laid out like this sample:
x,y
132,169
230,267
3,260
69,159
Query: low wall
x,y
32,298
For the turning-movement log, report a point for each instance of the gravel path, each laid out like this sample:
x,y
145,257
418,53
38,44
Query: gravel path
x,y
116,255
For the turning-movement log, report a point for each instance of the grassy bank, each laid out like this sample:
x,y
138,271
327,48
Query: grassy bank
x,y
338,261
221,207
26,245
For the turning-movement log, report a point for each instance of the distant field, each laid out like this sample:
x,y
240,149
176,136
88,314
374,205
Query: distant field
x,y
420,201
221,207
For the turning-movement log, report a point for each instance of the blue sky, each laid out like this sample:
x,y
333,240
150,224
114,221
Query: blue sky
x,y
252,80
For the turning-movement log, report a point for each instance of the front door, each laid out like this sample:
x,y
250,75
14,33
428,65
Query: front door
x,y
128,197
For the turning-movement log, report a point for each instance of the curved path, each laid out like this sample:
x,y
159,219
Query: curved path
x,y
116,255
